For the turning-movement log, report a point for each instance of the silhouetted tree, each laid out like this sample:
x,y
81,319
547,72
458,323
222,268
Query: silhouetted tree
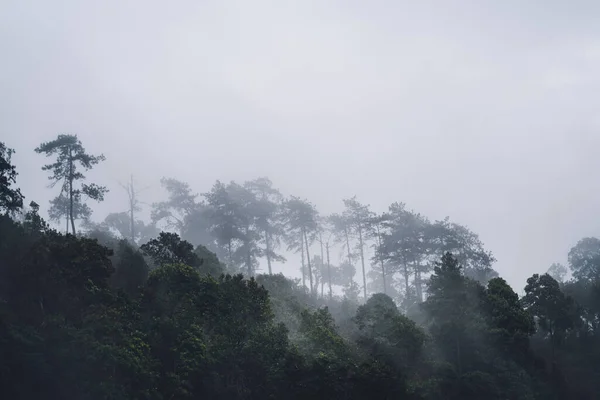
x,y
11,199
70,156
552,310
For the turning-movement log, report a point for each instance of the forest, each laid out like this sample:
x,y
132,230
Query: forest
x,y
186,304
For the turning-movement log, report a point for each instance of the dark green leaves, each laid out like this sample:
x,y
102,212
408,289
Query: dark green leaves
x,y
11,199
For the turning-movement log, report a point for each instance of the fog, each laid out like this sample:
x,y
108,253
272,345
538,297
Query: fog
x,y
481,111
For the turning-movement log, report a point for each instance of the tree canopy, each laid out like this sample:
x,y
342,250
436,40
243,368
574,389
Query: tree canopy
x,y
178,306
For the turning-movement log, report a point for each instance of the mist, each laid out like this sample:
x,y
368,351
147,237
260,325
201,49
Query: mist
x,y
480,112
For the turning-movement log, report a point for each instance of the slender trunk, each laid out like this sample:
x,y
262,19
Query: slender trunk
x,y
71,191
268,247
248,252
310,277
381,260
67,217
131,209
362,260
406,278
329,272
348,245
303,268
322,263
418,284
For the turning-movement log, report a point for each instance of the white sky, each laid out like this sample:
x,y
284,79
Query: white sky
x,y
484,111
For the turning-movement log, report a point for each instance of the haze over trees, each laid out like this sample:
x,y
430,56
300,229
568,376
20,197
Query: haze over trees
x,y
181,306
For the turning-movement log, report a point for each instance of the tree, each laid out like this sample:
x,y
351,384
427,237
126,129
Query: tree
x,y
120,223
510,325
387,334
131,270
11,199
376,231
33,223
180,204
268,217
359,217
70,155
451,307
465,245
168,248
319,334
405,246
326,270
584,259
225,217
558,272
184,214
60,207
301,220
552,310
250,214
134,206
340,226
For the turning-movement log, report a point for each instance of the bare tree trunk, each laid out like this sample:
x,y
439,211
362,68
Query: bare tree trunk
x,y
71,191
418,285
348,245
329,272
268,247
131,210
322,263
381,259
362,260
310,277
67,217
303,268
407,286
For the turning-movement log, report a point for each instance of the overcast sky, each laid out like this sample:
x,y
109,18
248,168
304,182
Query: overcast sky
x,y
484,111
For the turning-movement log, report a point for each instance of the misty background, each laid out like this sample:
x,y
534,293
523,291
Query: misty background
x,y
480,111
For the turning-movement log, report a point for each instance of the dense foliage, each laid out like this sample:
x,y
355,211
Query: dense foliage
x,y
112,314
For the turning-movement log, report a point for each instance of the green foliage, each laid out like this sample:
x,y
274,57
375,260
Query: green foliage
x,y
510,326
553,311
131,270
584,259
70,157
168,248
11,199
387,335
452,308
319,335
87,318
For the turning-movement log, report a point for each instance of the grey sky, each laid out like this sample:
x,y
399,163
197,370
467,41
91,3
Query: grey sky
x,y
484,111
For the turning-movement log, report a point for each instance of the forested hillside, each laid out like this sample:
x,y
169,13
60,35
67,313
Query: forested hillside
x,y
187,304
